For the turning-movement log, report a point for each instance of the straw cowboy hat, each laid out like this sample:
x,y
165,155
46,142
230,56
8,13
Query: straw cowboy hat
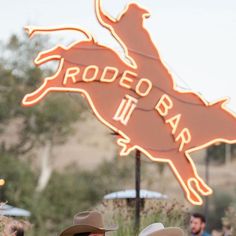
x,y
86,222
158,229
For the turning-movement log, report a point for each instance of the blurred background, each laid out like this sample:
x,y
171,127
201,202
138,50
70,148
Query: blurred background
x,y
56,159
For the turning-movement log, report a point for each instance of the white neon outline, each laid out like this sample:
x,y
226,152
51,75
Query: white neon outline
x,y
167,107
93,77
139,84
125,109
72,76
179,137
32,30
98,9
128,79
107,68
169,121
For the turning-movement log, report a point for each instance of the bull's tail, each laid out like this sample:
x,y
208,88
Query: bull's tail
x,y
54,53
31,31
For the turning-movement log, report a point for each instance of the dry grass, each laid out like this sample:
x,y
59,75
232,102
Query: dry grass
x,y
117,212
8,220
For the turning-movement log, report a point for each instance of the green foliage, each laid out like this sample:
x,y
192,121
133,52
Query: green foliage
x,y
64,196
229,219
218,203
216,153
170,213
66,193
73,191
20,181
13,223
7,94
116,174
52,118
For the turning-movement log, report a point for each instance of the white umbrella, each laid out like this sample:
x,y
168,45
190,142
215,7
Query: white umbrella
x,y
8,210
131,193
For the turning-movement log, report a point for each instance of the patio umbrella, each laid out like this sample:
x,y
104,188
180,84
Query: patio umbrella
x,y
8,210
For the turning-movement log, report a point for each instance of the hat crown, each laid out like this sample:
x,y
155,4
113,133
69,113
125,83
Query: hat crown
x,y
91,218
151,228
158,229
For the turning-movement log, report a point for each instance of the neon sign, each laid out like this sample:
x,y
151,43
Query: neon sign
x,y
137,97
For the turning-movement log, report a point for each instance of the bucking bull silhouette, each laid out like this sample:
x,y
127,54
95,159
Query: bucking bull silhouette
x,y
136,96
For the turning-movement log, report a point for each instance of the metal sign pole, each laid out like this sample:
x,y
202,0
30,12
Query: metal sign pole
x,y
207,181
137,188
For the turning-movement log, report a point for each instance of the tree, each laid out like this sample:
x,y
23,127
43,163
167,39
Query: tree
x,y
44,125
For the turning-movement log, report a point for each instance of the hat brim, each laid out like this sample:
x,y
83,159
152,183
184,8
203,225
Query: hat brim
x,y
171,231
75,229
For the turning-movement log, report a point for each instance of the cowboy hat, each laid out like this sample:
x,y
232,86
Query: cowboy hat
x,y
86,222
158,229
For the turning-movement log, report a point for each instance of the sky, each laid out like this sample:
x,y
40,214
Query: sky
x,y
195,38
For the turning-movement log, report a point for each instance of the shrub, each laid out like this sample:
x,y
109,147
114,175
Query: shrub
x,y
168,212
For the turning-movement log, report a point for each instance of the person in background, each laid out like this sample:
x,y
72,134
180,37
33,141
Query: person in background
x,y
13,228
198,225
227,230
87,223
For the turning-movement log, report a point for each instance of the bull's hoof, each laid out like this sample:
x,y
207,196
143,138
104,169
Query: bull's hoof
x,y
125,146
203,188
192,195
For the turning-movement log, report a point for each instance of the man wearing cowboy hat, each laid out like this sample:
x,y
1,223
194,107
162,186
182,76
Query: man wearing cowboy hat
x,y
87,223
158,229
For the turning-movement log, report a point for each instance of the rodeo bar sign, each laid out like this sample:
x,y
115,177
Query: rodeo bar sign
x,y
137,97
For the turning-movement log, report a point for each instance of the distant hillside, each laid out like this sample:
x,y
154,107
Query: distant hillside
x,y
92,143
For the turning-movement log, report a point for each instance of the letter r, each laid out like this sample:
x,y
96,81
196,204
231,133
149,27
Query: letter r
x,y
70,74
